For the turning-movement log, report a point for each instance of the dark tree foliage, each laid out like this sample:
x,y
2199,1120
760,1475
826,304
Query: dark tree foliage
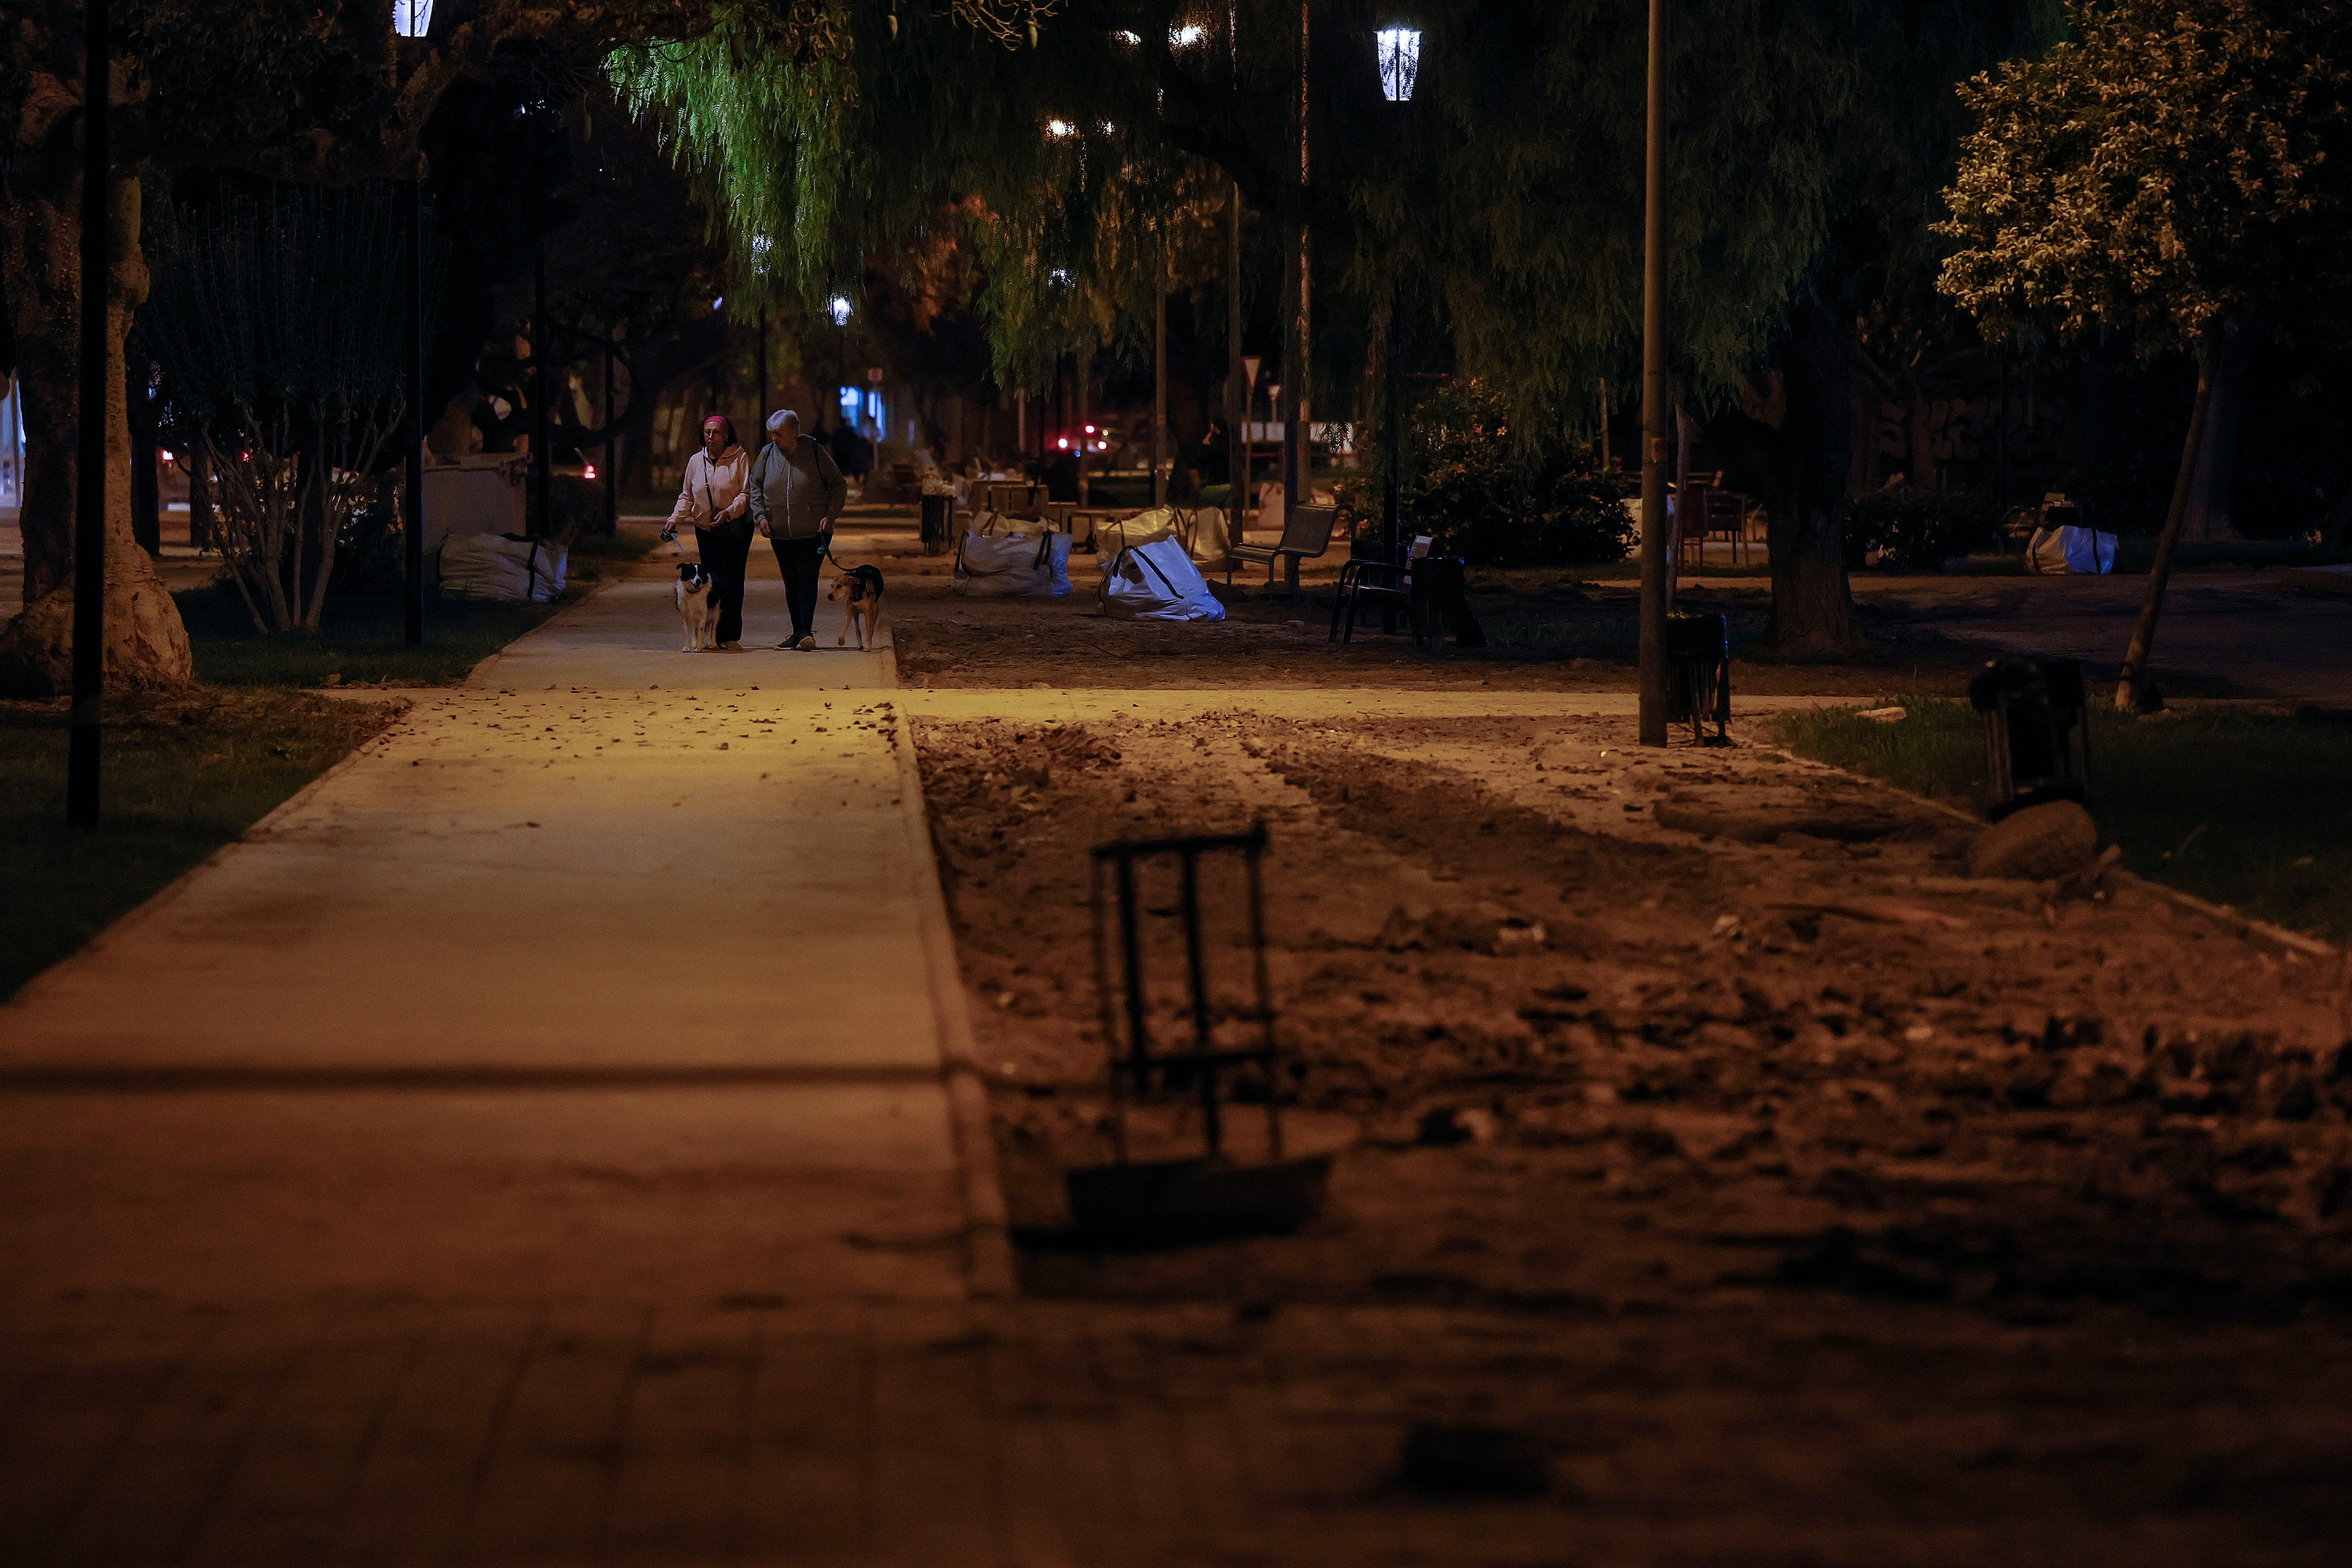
x,y
1809,139
268,316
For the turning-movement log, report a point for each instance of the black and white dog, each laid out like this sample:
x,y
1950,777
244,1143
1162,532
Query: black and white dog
x,y
697,606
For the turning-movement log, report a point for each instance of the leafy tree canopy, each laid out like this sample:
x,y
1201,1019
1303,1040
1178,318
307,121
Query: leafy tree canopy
x,y
1511,185
2176,162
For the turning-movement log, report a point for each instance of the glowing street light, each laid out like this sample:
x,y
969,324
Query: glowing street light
x,y
1400,55
1060,130
411,18
1185,37
838,309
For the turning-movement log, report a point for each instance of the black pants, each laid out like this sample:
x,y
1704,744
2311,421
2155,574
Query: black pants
x,y
725,550
798,560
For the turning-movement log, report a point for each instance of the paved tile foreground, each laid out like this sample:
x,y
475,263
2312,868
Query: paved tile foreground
x,y
539,1144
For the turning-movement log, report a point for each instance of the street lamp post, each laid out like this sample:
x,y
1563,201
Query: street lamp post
x,y
612,456
1296,471
1399,51
410,19
1237,389
542,341
412,550
1160,384
85,734
1654,401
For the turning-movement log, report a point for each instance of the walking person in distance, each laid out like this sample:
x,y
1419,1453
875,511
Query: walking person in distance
x,y
712,498
797,492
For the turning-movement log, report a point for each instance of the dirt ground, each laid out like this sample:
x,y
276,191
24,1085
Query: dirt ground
x,y
1548,633
2025,1143
2225,635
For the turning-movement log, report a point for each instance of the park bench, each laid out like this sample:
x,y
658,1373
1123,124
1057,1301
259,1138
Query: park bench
x,y
1305,534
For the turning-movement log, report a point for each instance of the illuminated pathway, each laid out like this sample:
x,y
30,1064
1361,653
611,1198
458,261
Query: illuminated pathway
x,y
606,972
534,1147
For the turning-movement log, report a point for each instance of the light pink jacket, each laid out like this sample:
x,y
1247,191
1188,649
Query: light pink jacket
x,y
713,492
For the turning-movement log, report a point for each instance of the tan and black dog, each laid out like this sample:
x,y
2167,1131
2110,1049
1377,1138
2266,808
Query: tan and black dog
x,y
860,589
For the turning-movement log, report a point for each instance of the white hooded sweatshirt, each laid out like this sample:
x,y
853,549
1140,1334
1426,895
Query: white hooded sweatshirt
x,y
713,491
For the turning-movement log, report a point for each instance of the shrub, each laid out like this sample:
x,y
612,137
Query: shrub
x,y
1918,529
370,556
577,508
1499,499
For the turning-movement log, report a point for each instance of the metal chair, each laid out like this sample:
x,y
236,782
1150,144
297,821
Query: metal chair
x,y
1387,584
1705,510
1305,535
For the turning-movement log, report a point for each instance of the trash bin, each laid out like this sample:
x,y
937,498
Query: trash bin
x,y
939,524
1441,601
1698,673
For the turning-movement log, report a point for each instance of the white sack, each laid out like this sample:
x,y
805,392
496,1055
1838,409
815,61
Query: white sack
x,y
2056,552
1158,582
502,566
1210,543
1143,529
1014,565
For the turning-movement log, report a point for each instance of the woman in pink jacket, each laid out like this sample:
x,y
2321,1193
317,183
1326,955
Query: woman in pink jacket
x,y
712,499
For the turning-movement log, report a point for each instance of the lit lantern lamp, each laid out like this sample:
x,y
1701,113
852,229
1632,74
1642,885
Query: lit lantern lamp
x,y
411,18
839,308
2037,732
1399,53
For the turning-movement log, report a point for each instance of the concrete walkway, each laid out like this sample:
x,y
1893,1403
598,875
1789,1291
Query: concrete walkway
x,y
605,973
532,1147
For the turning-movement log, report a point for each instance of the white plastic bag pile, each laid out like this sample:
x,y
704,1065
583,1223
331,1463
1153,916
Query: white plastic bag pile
x,y
502,566
1014,565
1157,581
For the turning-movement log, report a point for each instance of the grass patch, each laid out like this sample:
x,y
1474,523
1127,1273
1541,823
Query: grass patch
x,y
181,778
2244,808
359,642
362,638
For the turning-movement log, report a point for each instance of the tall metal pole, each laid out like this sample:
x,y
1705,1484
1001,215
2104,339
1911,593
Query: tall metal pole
x,y
2003,504
1085,413
1296,474
412,551
1159,387
83,738
1391,397
1236,375
612,456
541,340
1656,407
759,414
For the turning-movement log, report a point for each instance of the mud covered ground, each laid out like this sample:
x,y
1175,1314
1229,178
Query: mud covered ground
x,y
1797,1071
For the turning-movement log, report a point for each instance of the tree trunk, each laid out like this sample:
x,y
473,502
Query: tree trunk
x,y
40,253
2209,496
1922,464
199,492
2133,693
1813,602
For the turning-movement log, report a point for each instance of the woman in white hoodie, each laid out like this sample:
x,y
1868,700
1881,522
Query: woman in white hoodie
x,y
712,499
